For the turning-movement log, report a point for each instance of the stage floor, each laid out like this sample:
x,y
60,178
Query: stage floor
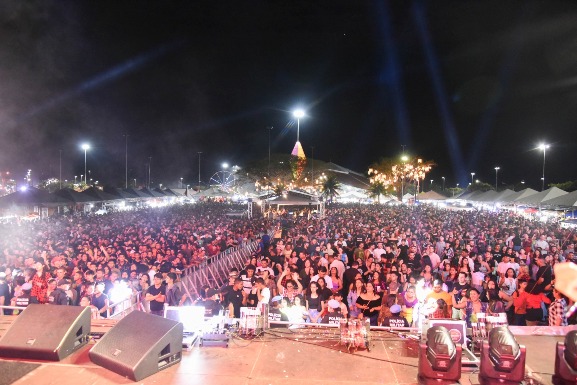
x,y
279,357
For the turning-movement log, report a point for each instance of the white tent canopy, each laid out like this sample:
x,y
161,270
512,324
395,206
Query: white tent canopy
x,y
536,199
567,200
519,195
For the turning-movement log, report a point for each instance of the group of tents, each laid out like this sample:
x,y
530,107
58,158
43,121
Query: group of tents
x,y
553,198
33,200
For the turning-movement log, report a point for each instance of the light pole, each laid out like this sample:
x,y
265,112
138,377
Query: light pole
x,y
75,176
298,113
496,177
443,183
472,175
134,182
60,177
404,158
199,170
149,165
431,189
126,161
85,147
543,147
180,182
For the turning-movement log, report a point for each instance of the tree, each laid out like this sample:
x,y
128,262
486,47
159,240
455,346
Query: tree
x,y
330,187
481,186
567,186
399,175
376,190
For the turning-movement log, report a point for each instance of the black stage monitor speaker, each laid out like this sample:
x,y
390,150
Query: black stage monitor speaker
x,y
139,345
47,332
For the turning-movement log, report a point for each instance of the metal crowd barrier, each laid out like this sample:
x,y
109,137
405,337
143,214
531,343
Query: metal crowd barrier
x,y
213,271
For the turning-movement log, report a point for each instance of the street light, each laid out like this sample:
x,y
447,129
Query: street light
x,y
496,172
85,147
180,182
199,170
443,182
544,148
404,158
224,166
431,189
472,175
298,113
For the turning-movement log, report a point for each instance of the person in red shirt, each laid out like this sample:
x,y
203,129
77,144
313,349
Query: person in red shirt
x,y
39,283
535,297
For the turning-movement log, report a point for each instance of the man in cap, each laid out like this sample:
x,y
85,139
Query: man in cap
x,y
334,315
396,320
60,296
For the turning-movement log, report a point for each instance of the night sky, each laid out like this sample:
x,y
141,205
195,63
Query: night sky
x,y
468,84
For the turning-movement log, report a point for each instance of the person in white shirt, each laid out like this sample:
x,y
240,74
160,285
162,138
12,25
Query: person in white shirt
x,y
504,265
435,259
378,251
323,274
264,265
336,263
262,292
542,243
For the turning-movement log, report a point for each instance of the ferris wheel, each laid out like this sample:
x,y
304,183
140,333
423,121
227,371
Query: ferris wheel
x,y
223,180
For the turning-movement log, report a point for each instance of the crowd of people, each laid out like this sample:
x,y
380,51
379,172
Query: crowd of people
x,y
393,265
401,265
98,260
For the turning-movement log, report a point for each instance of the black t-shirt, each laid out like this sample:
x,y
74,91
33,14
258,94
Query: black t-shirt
x,y
154,304
332,318
59,297
545,273
460,289
235,298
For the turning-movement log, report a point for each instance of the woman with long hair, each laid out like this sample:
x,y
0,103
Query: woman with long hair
x,y
470,305
520,302
336,280
464,266
378,282
452,278
307,273
313,302
369,303
386,303
508,282
357,288
408,302
39,283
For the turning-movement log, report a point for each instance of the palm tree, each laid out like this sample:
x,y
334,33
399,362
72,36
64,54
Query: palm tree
x,y
376,190
279,189
330,188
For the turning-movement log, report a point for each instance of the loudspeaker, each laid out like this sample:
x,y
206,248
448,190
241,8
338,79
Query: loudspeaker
x,y
47,332
139,345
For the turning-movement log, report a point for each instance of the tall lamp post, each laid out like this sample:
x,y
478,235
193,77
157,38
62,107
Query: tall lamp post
x,y
404,158
298,113
496,177
544,148
199,171
472,176
443,182
431,189
85,147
